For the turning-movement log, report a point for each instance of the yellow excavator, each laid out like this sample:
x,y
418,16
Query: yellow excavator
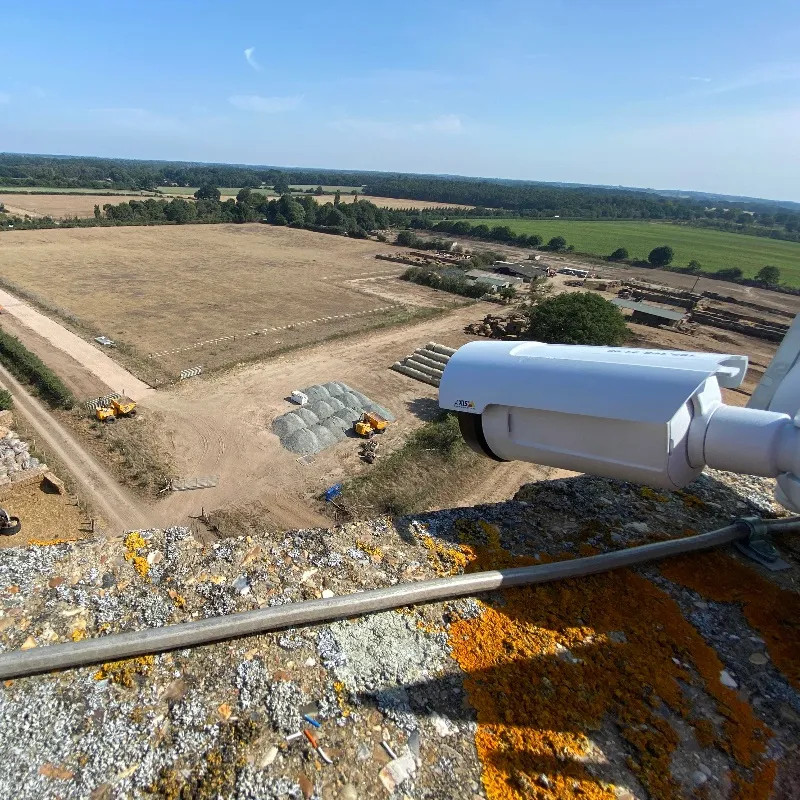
x,y
116,408
369,424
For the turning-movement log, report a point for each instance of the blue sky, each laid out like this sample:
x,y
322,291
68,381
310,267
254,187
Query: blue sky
x,y
693,95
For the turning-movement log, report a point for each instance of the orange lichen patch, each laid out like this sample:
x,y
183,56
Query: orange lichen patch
x,y
761,785
134,544
691,500
772,611
125,672
704,732
544,670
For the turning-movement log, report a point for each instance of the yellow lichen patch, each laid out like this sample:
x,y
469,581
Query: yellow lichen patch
x,y
178,599
373,551
78,634
772,611
445,560
652,494
125,672
134,544
544,670
341,697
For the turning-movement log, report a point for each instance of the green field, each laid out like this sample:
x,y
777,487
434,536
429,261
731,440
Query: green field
x,y
188,191
714,250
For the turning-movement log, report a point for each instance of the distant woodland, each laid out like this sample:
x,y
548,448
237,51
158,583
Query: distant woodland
x,y
490,196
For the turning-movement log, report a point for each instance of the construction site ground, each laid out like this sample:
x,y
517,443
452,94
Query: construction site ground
x,y
219,425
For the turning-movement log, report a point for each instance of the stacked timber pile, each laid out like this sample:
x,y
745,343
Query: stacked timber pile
x,y
498,327
425,364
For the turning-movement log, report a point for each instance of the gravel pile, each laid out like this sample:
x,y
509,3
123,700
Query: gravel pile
x,y
332,409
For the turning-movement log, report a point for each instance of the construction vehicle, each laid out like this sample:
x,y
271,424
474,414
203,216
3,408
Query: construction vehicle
x,y
379,424
116,408
370,423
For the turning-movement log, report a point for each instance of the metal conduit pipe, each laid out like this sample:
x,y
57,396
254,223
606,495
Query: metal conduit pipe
x,y
313,612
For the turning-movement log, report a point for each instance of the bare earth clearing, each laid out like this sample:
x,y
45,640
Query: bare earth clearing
x,y
59,206
221,425
207,295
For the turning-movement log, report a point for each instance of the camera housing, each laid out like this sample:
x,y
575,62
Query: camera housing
x,y
651,416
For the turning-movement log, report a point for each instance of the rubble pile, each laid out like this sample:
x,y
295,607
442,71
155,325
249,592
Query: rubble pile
x,y
16,462
511,326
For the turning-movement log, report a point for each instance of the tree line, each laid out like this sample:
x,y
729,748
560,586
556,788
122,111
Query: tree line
x,y
490,196
356,218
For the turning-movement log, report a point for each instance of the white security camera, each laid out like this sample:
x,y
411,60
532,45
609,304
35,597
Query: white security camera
x,y
651,416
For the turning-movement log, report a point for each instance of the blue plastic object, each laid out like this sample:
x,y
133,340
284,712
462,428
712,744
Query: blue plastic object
x,y
334,491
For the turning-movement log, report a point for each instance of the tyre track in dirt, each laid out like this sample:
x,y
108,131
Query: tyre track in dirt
x,y
118,509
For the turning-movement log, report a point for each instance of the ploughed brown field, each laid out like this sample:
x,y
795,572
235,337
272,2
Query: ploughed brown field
x,y
206,295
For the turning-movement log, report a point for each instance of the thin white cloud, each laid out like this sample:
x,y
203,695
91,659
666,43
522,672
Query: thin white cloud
x,y
249,57
700,79
761,76
264,105
447,124
5,97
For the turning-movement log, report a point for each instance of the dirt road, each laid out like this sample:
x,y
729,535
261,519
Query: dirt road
x,y
95,361
118,510
221,425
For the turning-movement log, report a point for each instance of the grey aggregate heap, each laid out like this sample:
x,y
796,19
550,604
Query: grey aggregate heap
x,y
331,410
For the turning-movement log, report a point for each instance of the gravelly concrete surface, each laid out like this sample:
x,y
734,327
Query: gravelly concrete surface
x,y
212,721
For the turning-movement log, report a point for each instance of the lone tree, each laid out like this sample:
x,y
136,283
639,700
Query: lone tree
x,y
661,256
557,244
769,276
281,184
577,318
619,254
207,192
694,267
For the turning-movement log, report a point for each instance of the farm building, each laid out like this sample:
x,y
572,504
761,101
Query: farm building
x,y
493,281
646,314
527,272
